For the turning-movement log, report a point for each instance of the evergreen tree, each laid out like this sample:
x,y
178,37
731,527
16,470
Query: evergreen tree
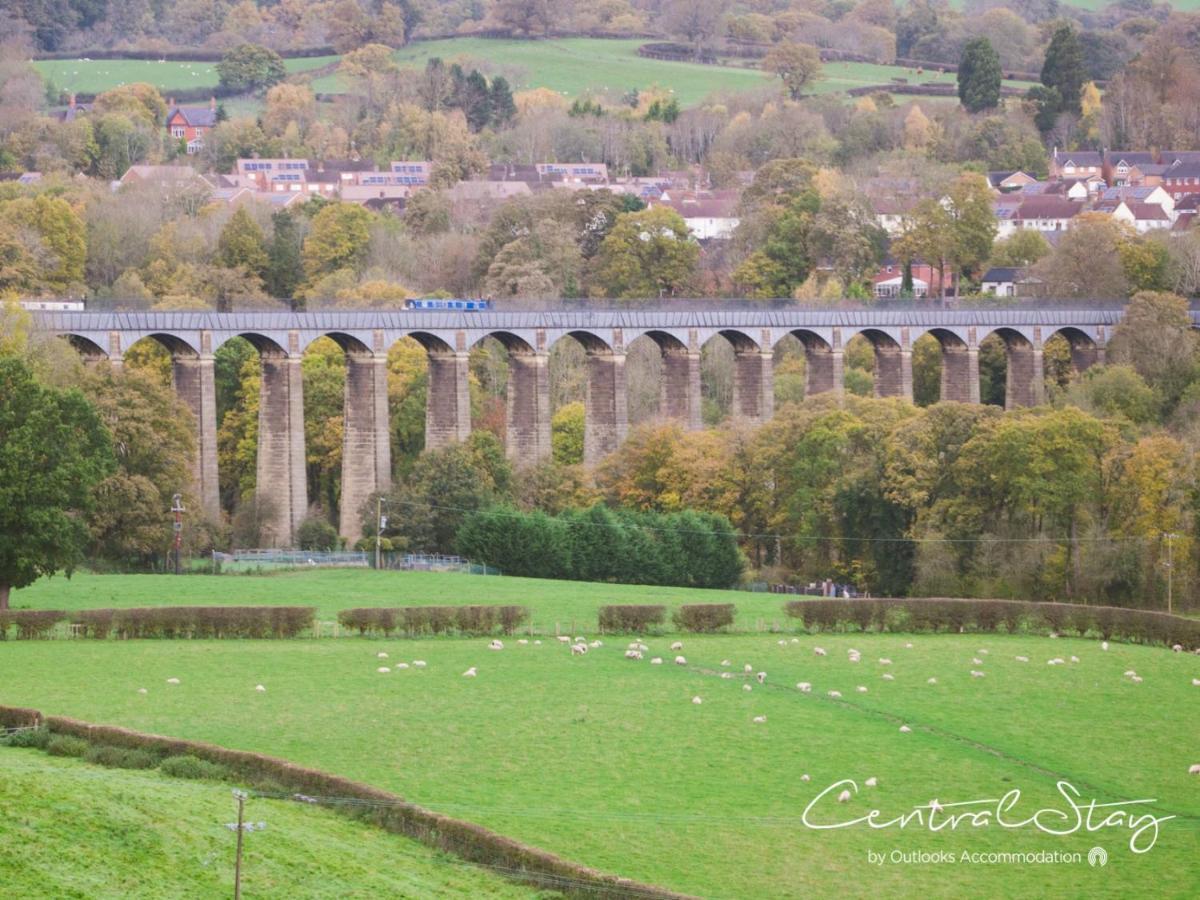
x,y
476,101
284,269
503,107
979,76
1063,69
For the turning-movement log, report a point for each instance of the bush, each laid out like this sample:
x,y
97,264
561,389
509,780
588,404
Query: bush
x,y
120,757
36,738
195,768
418,620
636,619
97,623
315,533
30,623
210,621
703,616
66,745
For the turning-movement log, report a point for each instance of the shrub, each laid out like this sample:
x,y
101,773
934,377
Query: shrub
x,y
703,616
36,738
120,757
210,621
97,623
637,619
30,623
195,768
417,620
66,745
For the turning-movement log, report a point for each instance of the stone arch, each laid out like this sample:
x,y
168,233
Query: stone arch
x,y
893,364
753,394
1023,375
605,402
350,344
959,377
822,366
267,347
1085,351
526,399
89,350
447,392
592,343
677,376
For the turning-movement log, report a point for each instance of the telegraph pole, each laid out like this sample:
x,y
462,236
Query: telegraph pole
x,y
237,866
1170,566
177,508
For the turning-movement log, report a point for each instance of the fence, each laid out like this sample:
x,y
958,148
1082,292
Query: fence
x,y
290,559
433,562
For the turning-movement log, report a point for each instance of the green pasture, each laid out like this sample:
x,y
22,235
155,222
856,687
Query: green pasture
x,y
74,830
608,761
96,75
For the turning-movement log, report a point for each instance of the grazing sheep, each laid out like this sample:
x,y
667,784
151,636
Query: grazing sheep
x,y
782,643
522,640
760,720
383,669
836,695
657,661
642,647
844,797
172,681
1057,661
746,687
470,673
680,661
1053,634
581,640
496,645
904,729
1074,659
795,640
975,673
595,644
418,663
983,652
1136,679
1178,648
259,688
381,655
1129,673
143,691
537,643
1196,682
854,659
862,688
804,687
635,646
932,681
884,661
818,651
726,663
677,645
401,665
579,649
805,777
1194,770
696,701
888,676
977,661
761,677
908,646
727,675
1104,645
747,668
633,654
871,782
563,639
852,651
1022,659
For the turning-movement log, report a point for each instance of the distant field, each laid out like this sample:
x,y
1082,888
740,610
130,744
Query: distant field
x,y
94,76
74,830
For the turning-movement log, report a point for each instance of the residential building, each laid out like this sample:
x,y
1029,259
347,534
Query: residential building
x,y
191,123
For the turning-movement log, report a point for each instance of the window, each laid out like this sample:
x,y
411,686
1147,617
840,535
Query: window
x,y
178,131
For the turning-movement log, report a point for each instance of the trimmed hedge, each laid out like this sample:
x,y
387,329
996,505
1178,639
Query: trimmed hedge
x,y
703,616
468,841
30,623
198,621
193,767
120,757
1137,626
419,620
636,619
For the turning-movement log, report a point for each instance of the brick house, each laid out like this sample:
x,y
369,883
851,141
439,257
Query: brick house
x,y
191,123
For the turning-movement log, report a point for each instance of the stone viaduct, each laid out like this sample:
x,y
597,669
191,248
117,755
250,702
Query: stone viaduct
x,y
753,332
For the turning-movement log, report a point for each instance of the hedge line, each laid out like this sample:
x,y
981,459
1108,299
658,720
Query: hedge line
x,y
165,622
945,614
635,619
417,620
464,839
703,616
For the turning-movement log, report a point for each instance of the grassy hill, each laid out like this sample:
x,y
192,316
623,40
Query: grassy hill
x,y
74,830
608,762
96,75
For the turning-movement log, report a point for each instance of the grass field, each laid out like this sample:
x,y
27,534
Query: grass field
x,y
572,66
74,830
94,76
608,762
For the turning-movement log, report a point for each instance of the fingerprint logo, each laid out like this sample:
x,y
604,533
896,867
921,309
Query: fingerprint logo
x,y
1097,856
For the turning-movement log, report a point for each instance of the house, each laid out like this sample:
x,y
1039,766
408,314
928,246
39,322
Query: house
x,y
590,173
1044,212
1075,189
1125,169
72,111
1010,281
163,176
1009,181
1181,178
1157,196
1076,164
191,123
890,212
888,281
706,216
1142,217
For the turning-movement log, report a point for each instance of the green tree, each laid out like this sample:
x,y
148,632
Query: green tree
x,y
785,254
60,235
979,76
566,434
284,266
504,109
1063,69
338,239
242,245
53,451
647,254
249,67
1156,339
797,65
1023,247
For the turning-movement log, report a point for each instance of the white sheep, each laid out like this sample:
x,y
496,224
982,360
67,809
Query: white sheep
x,y
761,677
1104,645
381,655
1136,679
581,640
888,676
852,651
804,687
696,701
579,649
259,688
537,643
854,659
931,681
983,651
1129,673
633,654
818,651
975,673
634,646
726,675
496,645
1196,682
747,668
782,643
795,640
1057,661
746,687
908,646
884,661
862,688
563,639
805,777
401,665
871,782
726,663
1022,659
844,797
760,720
1194,770
382,669
657,661
595,645
680,661
836,695
1074,659
172,681
1178,648
470,673
522,640
418,663
1053,634
904,729
677,645
143,691
977,661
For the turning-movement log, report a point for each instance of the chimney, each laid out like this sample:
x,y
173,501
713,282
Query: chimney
x,y
71,101
212,104
171,103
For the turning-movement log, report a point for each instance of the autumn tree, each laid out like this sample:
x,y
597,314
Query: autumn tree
x,y
526,17
54,451
646,254
797,65
249,67
338,239
242,245
1156,338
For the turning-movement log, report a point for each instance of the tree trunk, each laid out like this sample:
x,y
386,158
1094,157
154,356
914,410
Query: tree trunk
x,y
4,591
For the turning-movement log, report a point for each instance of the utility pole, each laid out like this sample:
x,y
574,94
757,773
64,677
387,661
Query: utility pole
x,y
241,827
380,524
177,508
1170,566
